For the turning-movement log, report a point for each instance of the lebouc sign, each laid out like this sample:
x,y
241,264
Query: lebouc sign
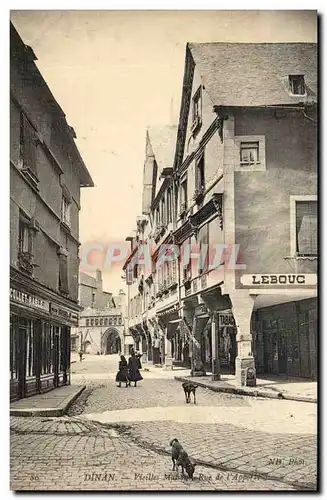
x,y
278,279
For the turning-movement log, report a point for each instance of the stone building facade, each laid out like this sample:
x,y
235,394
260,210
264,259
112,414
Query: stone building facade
x,y
244,191
46,177
101,323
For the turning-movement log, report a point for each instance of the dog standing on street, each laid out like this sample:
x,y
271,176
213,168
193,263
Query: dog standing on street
x,y
181,459
189,388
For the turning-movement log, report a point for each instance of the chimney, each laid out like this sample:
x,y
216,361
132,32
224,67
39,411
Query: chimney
x,y
98,276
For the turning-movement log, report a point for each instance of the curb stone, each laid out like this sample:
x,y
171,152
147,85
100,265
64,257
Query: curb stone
x,y
298,484
47,412
247,392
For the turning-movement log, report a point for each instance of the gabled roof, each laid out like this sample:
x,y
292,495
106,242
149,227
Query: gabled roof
x,y
85,279
23,55
163,141
250,74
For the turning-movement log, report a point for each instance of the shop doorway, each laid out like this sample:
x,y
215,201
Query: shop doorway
x,y
275,347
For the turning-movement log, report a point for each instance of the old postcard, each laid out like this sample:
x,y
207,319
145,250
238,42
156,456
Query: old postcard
x,y
163,250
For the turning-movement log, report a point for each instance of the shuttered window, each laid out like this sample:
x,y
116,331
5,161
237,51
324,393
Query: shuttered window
x,y
203,239
199,173
306,228
63,274
28,146
129,275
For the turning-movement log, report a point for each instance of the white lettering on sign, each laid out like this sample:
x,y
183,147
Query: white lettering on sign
x,y
278,279
28,300
226,319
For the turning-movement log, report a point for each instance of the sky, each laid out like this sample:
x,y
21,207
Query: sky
x,y
114,73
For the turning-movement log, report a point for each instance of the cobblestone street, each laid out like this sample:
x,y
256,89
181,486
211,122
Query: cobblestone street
x,y
118,438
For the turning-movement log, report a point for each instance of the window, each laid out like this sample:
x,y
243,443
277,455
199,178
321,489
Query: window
x,y
186,259
169,205
96,322
303,235
26,244
101,322
106,321
47,348
63,271
249,153
129,274
297,85
87,322
157,217
183,195
199,173
135,271
203,239
197,109
65,211
28,144
13,347
92,322
306,228
163,211
30,350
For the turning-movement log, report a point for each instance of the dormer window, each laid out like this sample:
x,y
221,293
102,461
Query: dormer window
x,y
297,85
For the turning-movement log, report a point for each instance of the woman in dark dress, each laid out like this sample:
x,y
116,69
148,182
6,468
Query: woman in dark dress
x,y
122,374
138,358
134,373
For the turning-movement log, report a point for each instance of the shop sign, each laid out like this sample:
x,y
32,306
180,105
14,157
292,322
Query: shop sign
x,y
29,300
278,279
225,319
64,313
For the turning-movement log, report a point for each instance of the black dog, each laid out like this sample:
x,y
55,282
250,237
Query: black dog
x,y
181,459
189,388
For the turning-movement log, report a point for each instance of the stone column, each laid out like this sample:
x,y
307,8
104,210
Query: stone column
x,y
197,369
168,357
242,310
215,349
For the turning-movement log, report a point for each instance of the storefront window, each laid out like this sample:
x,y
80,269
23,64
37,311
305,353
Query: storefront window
x,y
30,349
62,348
13,347
44,335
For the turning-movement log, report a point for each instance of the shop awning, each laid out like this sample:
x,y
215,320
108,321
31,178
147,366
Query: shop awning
x,y
169,310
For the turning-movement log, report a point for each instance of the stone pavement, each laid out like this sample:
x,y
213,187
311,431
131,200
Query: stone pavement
x,y
241,442
53,403
62,454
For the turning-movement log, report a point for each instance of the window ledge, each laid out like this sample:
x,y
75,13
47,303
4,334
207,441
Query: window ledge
x,y
302,257
250,164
